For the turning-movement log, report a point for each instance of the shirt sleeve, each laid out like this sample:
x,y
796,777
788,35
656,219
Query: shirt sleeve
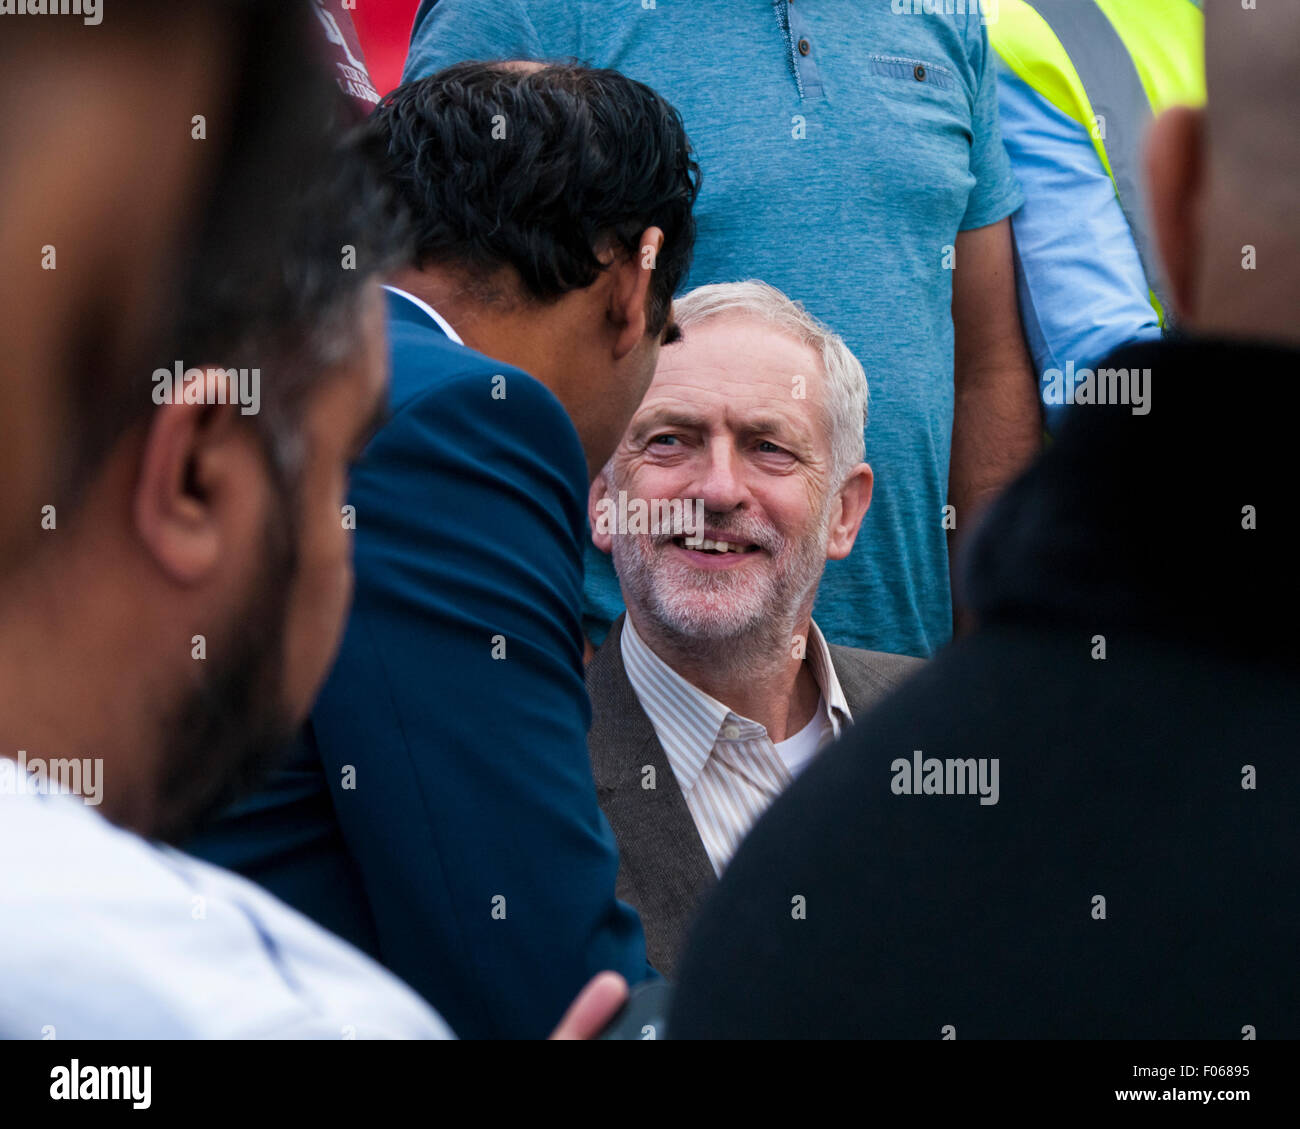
x,y
1083,291
111,937
451,31
996,194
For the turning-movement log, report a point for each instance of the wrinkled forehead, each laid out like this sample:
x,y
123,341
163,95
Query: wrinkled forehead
x,y
737,367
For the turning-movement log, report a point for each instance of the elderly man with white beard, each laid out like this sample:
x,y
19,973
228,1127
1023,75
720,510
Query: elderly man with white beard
x,y
716,688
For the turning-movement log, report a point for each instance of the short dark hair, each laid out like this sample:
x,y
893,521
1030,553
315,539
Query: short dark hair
x,y
539,170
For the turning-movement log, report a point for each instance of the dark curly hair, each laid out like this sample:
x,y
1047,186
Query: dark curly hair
x,y
541,170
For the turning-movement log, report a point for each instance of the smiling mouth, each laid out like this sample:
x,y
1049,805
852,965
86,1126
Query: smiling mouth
x,y
717,548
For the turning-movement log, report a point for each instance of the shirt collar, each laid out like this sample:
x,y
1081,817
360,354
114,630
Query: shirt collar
x,y
441,321
819,658
688,722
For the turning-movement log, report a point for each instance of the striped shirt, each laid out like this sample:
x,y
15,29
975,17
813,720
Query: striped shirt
x,y
728,768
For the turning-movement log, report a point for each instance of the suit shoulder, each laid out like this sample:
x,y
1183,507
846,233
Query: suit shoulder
x,y
873,673
438,371
425,360
884,662
455,397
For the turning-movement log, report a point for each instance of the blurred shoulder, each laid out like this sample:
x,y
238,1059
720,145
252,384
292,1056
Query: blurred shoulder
x,y
107,935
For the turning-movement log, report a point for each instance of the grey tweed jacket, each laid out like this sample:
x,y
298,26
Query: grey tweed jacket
x,y
663,869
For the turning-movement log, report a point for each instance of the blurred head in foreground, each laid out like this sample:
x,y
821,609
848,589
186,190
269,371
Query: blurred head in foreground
x,y
101,177
1223,180
177,614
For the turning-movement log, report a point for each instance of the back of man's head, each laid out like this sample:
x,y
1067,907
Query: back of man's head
x,y
201,579
1224,180
127,140
101,174
294,298
541,169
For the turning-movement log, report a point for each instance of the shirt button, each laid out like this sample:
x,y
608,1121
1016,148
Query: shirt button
x,y
804,47
919,72
730,732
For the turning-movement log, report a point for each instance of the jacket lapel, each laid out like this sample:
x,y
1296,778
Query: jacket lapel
x,y
663,867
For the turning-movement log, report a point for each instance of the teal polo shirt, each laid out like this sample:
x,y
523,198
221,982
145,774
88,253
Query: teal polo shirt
x,y
844,143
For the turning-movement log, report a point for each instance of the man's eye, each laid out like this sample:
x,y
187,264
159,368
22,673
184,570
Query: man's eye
x,y
664,440
767,447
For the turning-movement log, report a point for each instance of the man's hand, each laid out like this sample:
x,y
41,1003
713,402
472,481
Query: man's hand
x,y
594,1007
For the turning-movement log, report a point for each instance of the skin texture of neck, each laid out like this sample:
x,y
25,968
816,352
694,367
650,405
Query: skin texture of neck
x,y
1255,305
757,676
97,705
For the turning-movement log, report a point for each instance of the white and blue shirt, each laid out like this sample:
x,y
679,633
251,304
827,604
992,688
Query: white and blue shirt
x,y
107,936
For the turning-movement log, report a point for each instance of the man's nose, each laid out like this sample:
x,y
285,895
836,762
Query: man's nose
x,y
721,483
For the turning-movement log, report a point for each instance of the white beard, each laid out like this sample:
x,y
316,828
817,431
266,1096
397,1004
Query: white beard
x,y
741,618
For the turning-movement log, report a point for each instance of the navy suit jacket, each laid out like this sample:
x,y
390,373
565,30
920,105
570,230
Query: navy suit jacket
x,y
439,809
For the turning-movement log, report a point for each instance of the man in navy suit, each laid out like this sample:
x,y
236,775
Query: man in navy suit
x,y
439,811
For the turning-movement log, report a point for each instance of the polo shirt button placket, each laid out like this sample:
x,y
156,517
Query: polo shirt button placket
x,y
799,44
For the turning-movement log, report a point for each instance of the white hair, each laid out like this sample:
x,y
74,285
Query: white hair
x,y
846,383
